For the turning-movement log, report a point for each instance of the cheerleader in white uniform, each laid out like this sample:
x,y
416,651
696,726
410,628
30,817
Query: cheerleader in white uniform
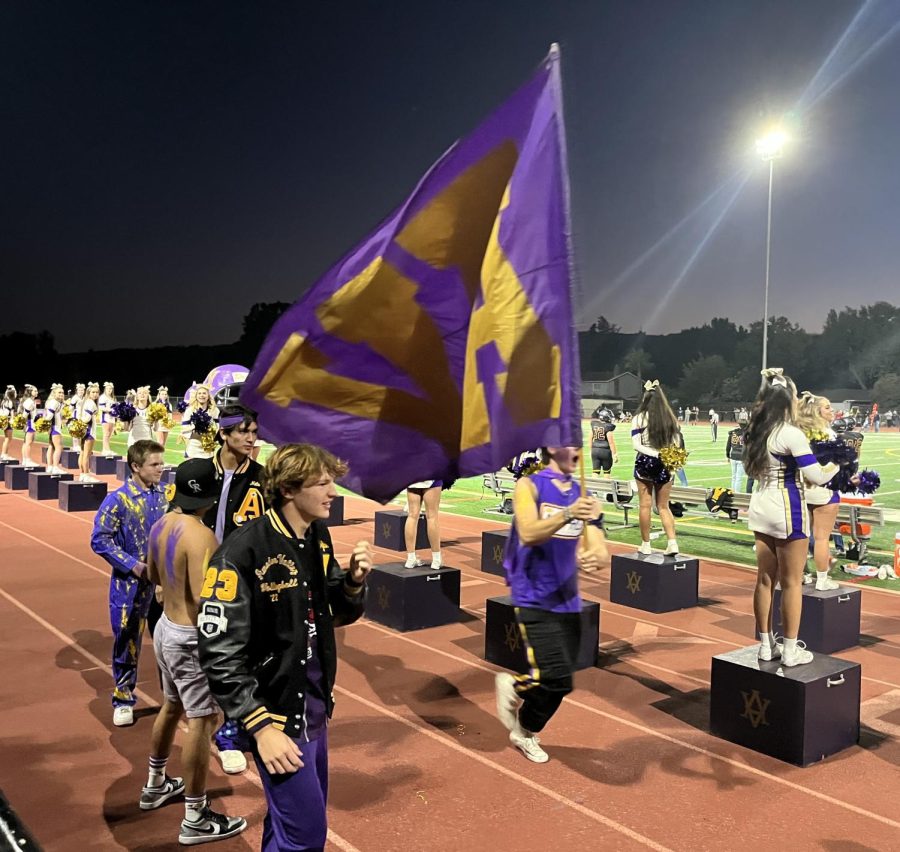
x,y
53,412
200,401
89,412
429,493
8,406
162,431
139,428
653,427
779,458
76,401
107,420
28,407
815,414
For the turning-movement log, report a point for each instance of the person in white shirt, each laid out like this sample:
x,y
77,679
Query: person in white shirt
x,y
139,428
714,424
107,420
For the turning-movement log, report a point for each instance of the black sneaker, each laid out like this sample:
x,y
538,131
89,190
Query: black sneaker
x,y
211,826
155,797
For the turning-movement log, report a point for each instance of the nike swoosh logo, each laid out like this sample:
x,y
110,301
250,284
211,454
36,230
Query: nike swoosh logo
x,y
210,829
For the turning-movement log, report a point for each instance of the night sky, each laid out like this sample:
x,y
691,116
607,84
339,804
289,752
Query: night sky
x,y
167,164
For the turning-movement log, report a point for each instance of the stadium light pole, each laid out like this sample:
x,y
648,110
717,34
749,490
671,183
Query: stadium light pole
x,y
769,148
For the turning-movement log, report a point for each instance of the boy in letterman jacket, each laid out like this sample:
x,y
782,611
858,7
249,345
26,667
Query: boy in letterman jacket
x,y
271,599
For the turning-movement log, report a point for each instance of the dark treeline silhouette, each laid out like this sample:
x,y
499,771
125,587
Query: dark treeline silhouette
x,y
720,361
857,348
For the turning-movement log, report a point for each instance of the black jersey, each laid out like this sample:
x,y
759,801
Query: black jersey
x,y
853,439
600,433
734,447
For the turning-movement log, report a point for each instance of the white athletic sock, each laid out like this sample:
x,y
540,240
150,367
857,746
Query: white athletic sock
x,y
436,557
156,773
410,560
193,807
790,645
673,544
767,640
821,575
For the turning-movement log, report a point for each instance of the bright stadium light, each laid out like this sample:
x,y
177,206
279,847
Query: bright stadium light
x,y
770,148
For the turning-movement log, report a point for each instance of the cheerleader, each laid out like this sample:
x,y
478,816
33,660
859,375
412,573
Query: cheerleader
x,y
56,399
76,401
162,430
89,411
8,407
200,401
429,493
139,428
779,457
28,406
107,419
654,427
814,415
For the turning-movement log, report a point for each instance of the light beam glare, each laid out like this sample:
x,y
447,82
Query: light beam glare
x,y
873,25
591,304
676,283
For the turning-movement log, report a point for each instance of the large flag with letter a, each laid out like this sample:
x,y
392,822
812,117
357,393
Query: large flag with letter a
x,y
443,343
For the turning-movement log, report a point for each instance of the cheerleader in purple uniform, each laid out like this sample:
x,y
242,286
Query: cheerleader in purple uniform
x,y
107,419
89,411
8,407
814,415
162,430
28,407
654,427
76,401
429,493
139,428
56,399
779,458
547,546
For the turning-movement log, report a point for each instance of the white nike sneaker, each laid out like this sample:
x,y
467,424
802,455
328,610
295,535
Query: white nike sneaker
x,y
529,745
799,657
826,585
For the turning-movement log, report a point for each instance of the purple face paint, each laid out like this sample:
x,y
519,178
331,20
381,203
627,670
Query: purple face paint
x,y
171,544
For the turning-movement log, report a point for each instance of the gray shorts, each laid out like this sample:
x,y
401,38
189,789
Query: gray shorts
x,y
183,680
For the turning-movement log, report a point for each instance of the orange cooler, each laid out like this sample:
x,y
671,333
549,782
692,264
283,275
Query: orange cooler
x,y
862,530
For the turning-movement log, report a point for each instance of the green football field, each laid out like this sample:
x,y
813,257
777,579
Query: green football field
x,y
700,534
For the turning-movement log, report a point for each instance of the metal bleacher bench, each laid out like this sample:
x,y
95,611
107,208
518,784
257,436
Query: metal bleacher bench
x,y
622,494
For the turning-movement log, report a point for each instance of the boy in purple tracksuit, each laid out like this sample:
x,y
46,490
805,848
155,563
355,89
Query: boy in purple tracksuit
x,y
121,534
548,544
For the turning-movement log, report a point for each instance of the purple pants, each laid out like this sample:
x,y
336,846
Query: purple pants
x,y
296,817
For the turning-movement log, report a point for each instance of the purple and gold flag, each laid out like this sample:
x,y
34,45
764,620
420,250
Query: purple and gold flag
x,y
443,344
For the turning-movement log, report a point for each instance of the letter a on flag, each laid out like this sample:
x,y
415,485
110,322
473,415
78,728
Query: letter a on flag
x,y
443,344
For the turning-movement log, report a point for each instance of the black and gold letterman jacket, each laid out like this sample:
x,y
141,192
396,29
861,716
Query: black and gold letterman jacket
x,y
254,618
245,495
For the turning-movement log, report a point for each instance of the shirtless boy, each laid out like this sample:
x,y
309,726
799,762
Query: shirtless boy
x,y
180,548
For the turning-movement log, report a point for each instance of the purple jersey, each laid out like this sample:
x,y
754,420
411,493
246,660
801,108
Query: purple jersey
x,y
545,576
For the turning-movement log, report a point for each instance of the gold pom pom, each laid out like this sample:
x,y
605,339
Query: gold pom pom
x,y
67,413
18,421
157,412
208,441
4,422
168,422
673,458
816,435
43,425
77,429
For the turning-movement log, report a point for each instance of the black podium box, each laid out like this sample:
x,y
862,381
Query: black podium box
x,y
104,465
45,486
69,459
493,543
15,476
829,620
5,463
800,714
389,530
413,598
503,642
168,476
81,496
336,513
654,583
122,471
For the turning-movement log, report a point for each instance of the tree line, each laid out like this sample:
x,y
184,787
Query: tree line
x,y
715,362
720,361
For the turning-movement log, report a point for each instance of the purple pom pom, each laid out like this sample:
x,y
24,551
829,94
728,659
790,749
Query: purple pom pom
x,y
869,482
123,411
523,463
182,407
833,452
201,420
